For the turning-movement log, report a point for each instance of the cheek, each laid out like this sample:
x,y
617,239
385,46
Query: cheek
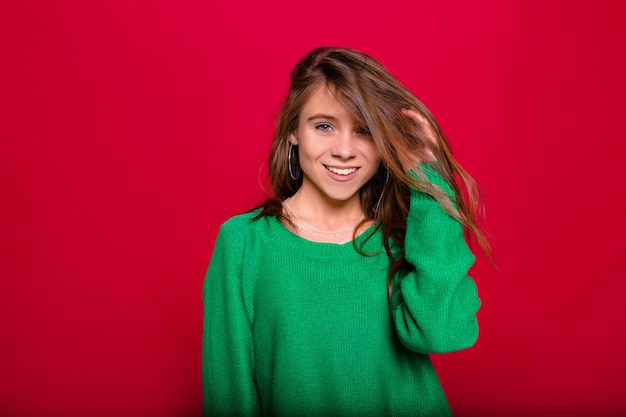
x,y
372,154
373,170
306,154
373,164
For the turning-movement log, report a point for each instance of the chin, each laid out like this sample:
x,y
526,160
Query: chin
x,y
342,196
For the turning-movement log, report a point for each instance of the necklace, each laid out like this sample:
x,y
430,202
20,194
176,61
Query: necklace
x,y
304,226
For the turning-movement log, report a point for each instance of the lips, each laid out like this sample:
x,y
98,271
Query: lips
x,y
341,171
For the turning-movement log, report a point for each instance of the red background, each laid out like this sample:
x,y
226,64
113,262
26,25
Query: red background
x,y
131,129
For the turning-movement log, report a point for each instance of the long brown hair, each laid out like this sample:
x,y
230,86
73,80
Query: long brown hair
x,y
375,98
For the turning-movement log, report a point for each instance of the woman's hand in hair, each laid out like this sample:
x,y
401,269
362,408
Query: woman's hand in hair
x,y
411,159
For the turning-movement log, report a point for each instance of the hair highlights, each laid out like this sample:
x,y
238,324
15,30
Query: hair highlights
x,y
376,100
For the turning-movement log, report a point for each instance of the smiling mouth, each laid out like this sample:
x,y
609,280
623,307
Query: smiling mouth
x,y
341,171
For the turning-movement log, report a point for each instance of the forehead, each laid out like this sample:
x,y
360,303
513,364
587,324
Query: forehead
x,y
325,100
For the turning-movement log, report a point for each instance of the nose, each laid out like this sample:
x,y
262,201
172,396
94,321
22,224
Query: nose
x,y
344,146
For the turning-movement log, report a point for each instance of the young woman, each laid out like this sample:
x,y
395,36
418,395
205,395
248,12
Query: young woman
x,y
327,299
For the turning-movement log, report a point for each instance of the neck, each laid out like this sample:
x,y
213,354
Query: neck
x,y
326,214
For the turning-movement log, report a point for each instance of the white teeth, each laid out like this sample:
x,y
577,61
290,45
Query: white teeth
x,y
338,171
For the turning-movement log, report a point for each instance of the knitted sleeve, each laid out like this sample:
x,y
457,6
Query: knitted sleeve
x,y
227,348
434,305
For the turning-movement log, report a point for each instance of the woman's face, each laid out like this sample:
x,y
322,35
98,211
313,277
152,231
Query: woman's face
x,y
337,157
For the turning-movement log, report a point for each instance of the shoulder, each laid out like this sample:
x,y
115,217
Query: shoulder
x,y
240,221
236,229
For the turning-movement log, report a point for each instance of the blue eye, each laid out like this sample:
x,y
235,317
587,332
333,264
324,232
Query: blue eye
x,y
324,127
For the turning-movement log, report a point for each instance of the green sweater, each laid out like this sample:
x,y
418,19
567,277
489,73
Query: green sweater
x,y
298,328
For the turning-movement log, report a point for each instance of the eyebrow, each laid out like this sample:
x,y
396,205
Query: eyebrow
x,y
321,116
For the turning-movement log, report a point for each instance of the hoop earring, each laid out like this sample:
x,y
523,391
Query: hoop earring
x,y
293,177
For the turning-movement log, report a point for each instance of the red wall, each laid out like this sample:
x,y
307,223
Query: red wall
x,y
131,129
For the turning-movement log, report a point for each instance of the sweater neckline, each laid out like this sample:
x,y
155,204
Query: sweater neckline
x,y
295,242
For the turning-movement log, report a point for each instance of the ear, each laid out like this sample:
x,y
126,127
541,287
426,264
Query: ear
x,y
293,139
